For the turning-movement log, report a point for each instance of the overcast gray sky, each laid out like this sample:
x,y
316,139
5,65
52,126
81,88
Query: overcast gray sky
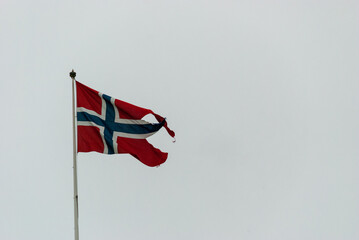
x,y
263,97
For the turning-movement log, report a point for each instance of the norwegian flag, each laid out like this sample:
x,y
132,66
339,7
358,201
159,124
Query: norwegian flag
x,y
110,126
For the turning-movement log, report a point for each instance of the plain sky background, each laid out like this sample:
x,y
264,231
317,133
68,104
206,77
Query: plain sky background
x,y
263,97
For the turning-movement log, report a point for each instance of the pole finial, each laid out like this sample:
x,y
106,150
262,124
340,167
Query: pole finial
x,y
72,74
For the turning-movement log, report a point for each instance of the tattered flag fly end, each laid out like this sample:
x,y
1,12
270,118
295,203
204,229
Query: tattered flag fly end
x,y
111,126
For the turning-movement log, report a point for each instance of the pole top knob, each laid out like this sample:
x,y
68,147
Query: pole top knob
x,y
72,74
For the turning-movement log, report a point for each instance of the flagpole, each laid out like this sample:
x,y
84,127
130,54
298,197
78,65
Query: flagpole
x,y
76,199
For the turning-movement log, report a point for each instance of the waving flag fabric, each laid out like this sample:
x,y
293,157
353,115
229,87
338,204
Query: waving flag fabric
x,y
110,126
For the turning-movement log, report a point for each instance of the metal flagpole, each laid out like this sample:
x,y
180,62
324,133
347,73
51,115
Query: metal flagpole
x,y
76,199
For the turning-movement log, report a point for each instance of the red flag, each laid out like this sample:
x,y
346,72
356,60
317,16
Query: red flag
x,y
110,126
